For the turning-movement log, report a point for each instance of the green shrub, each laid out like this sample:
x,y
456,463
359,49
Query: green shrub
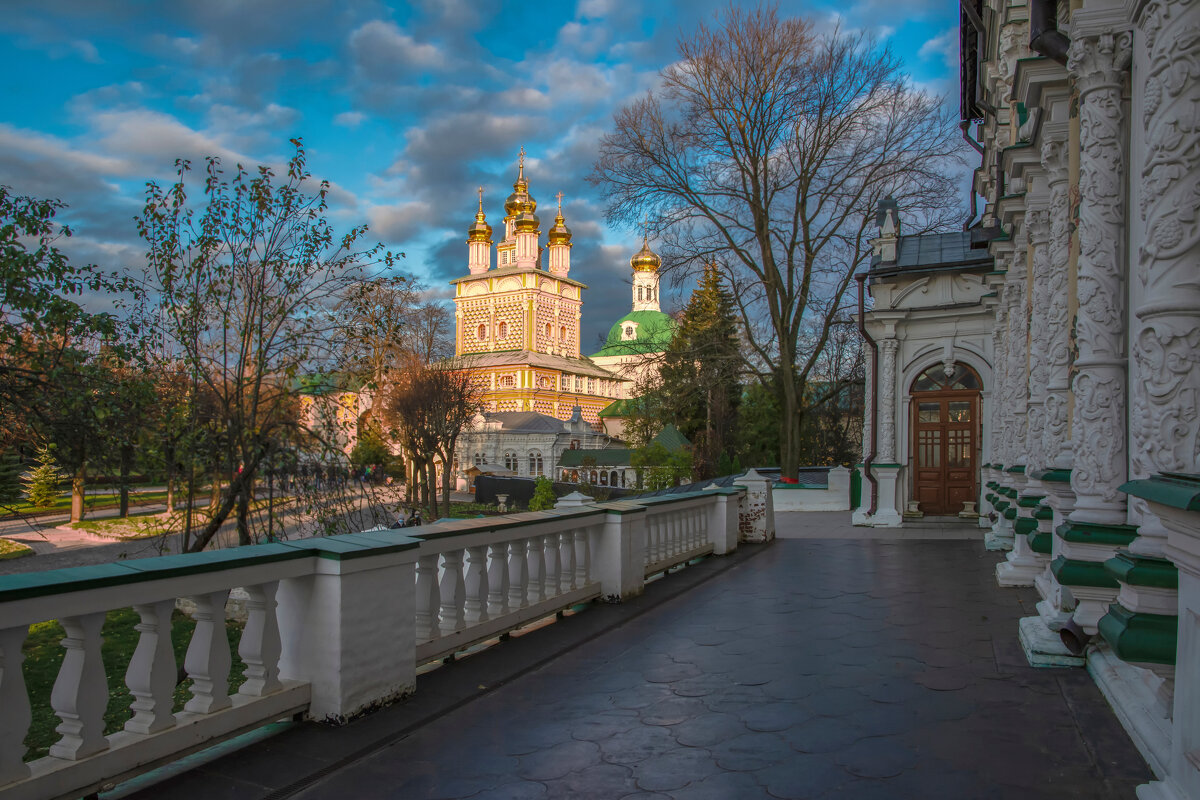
x,y
543,495
41,483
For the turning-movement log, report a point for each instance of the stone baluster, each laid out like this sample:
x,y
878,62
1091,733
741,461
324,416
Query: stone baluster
x,y
583,558
14,699
566,547
1099,65
260,646
208,658
152,670
454,593
518,575
553,559
428,599
497,599
80,693
475,608
537,570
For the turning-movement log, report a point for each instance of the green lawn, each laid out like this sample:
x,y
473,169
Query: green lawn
x,y
11,549
91,502
44,655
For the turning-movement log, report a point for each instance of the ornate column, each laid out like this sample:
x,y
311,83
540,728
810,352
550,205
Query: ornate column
x,y
1164,387
1055,312
1024,564
1096,527
998,538
888,471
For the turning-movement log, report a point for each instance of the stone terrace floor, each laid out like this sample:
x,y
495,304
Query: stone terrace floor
x,y
840,667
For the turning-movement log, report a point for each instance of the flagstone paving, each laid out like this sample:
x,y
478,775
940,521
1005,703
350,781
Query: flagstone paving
x,y
813,669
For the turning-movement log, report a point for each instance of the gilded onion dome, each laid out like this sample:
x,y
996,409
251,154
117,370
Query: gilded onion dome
x,y
560,233
520,201
645,260
480,231
526,222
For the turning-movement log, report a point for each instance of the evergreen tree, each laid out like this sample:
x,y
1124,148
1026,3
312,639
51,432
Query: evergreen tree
x,y
543,495
10,477
41,483
698,388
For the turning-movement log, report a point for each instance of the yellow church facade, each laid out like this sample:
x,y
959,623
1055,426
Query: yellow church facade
x,y
517,325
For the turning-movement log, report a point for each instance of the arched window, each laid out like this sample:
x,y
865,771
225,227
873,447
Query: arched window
x,y
640,298
510,461
628,331
603,478
535,462
612,478
574,444
549,330
936,379
482,332
502,331
595,477
562,333
479,460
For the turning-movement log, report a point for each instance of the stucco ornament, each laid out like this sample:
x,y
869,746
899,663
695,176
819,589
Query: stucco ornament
x,y
1054,309
887,401
1037,220
1099,65
1014,39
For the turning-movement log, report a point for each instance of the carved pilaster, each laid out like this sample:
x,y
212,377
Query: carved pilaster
x,y
1165,387
887,401
1098,65
1000,359
1056,311
1037,220
1016,385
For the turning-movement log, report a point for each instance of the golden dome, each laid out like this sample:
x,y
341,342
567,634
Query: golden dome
x,y
480,231
526,222
520,201
645,260
560,233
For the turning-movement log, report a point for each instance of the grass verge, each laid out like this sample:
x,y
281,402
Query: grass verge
x,y
11,549
44,655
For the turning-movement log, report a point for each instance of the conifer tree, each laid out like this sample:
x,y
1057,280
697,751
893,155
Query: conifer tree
x,y
41,483
10,477
543,495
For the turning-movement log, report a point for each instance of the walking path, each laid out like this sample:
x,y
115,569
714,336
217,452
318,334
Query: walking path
x,y
838,667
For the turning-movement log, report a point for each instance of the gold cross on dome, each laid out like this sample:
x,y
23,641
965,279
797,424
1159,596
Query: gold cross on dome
x,y
481,198
560,197
521,161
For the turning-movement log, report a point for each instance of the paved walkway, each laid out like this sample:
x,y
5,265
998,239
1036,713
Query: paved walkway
x,y
818,668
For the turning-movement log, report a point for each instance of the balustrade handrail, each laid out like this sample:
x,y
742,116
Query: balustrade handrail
x,y
429,592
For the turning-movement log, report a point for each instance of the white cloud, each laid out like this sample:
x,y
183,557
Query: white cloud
x,y
349,119
945,46
380,48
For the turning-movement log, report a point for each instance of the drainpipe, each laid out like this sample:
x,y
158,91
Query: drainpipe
x,y
870,456
1044,36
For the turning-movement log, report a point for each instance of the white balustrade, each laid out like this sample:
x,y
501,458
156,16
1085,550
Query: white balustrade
x,y
334,625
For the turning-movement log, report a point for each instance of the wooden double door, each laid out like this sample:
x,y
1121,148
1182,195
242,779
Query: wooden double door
x,y
946,433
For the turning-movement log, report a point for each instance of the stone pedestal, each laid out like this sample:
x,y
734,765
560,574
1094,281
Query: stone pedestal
x,y
887,515
1043,647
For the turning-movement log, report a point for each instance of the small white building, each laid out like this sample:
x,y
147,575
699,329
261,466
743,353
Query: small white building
x,y
930,351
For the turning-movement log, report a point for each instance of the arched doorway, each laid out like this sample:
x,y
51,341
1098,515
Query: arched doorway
x,y
945,438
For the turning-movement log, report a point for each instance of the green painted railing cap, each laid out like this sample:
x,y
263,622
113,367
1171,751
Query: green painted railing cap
x,y
1140,638
1044,512
1010,512
1018,469
1053,475
1175,489
1071,572
1040,542
1031,500
1143,570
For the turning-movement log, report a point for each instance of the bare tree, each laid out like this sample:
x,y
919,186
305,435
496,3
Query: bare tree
x,y
766,148
243,286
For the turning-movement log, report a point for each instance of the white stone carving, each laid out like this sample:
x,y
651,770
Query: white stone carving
x,y
887,401
1099,64
1055,312
1037,220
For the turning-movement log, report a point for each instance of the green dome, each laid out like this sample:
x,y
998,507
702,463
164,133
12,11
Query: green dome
x,y
652,332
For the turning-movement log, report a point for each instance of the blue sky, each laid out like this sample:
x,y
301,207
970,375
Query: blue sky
x,y
404,108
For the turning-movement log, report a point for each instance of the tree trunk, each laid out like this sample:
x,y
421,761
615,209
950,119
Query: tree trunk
x,y
214,500
126,459
431,489
243,513
171,477
78,483
789,460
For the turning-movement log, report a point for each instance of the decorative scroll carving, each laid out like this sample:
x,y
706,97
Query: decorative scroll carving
x,y
1016,370
1098,65
1056,310
887,401
1013,46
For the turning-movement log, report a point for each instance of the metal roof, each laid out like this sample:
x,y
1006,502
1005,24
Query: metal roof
x,y
934,251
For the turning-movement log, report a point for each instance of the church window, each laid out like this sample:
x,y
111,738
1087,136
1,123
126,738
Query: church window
x,y
594,477
507,381
574,444
510,461
535,462
549,330
502,331
479,459
612,478
562,333
628,331
482,332
591,386
604,479
640,298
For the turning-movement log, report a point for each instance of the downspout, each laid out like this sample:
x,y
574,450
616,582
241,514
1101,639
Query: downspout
x,y
869,458
1044,36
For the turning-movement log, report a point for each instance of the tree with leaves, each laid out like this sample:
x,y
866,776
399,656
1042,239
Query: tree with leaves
x,y
543,495
766,147
244,277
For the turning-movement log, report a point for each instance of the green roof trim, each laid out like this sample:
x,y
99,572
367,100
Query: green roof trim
x,y
653,333
670,438
1140,638
1174,489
